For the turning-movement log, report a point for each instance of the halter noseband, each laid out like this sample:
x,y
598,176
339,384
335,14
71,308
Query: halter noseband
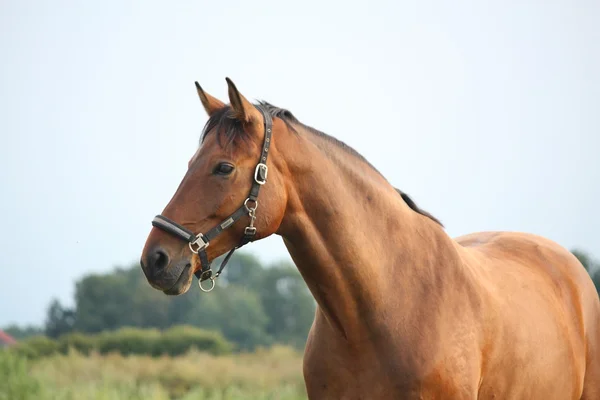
x,y
199,242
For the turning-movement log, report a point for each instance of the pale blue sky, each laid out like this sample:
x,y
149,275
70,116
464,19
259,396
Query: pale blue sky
x,y
485,112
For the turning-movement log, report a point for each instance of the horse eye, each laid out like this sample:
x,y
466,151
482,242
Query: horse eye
x,y
223,169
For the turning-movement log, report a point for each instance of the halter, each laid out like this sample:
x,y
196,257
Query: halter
x,y
199,242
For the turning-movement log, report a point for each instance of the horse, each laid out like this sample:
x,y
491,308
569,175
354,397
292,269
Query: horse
x,y
403,311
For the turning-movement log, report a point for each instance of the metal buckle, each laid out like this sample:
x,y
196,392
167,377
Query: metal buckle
x,y
250,230
206,275
200,242
259,167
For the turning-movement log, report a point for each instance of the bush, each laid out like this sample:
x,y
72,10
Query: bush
x,y
77,341
128,341
36,346
180,339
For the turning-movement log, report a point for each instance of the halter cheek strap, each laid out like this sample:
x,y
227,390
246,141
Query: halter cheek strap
x,y
199,242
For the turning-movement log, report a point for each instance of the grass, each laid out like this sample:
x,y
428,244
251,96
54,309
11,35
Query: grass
x,y
273,374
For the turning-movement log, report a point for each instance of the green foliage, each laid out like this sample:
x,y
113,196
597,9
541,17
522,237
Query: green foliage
x,y
126,341
233,310
288,304
25,332
243,269
77,341
180,339
251,306
281,295
110,301
36,346
16,383
59,319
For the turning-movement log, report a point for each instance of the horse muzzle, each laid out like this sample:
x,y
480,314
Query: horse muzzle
x,y
170,276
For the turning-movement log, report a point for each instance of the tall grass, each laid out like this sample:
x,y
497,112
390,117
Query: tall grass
x,y
274,373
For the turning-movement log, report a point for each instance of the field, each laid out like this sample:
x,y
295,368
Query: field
x,y
274,374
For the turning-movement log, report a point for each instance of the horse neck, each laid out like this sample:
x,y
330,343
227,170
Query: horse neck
x,y
352,237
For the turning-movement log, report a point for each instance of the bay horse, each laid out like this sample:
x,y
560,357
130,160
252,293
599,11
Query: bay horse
x,y
403,310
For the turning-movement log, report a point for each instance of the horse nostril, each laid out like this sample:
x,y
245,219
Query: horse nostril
x,y
160,259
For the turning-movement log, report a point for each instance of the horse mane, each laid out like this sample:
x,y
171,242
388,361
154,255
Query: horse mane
x,y
229,129
416,208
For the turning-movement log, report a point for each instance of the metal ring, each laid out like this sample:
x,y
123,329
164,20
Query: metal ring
x,y
248,208
192,248
212,286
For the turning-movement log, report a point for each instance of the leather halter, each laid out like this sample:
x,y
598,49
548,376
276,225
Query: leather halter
x,y
199,242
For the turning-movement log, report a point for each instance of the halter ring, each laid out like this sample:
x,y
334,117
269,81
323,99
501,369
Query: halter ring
x,y
212,285
248,208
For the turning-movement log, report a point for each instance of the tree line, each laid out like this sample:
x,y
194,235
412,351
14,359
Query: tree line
x,y
253,305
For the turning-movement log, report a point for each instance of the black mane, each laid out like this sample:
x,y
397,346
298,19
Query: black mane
x,y
229,129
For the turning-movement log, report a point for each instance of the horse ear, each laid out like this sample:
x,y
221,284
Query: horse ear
x,y
211,104
243,109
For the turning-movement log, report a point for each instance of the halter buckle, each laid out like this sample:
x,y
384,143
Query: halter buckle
x,y
206,275
260,173
200,242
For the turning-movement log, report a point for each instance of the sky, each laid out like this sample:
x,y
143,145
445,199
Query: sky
x,y
486,113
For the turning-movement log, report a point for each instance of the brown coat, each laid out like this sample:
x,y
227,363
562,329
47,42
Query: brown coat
x,y
404,311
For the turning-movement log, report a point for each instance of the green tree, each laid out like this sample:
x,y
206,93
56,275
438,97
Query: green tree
x,y
252,305
288,304
234,310
24,332
59,320
283,294
120,298
243,269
